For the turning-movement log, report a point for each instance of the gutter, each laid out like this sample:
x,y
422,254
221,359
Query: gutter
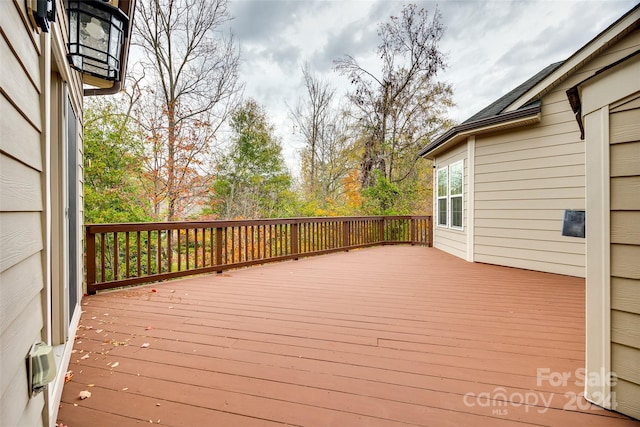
x,y
525,115
573,93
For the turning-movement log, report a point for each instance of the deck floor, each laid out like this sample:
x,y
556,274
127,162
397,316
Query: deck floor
x,y
388,336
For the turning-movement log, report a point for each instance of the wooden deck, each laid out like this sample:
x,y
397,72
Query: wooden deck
x,y
387,336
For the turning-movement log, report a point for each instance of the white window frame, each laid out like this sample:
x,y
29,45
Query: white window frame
x,y
460,196
445,198
448,219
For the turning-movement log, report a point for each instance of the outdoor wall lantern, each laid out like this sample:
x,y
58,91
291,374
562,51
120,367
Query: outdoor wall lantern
x,y
96,33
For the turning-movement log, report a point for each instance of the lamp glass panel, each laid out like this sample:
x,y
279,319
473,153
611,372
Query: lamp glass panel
x,y
73,27
94,35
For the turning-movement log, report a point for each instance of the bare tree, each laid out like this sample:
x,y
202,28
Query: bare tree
x,y
399,107
327,157
312,116
193,68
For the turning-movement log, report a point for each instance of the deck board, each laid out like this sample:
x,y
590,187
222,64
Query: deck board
x,y
390,336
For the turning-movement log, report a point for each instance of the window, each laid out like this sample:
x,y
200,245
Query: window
x,y
449,195
456,171
442,196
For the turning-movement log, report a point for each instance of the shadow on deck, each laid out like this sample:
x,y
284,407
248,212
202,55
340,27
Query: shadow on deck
x,y
387,336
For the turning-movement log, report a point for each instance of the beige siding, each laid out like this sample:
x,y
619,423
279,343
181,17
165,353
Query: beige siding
x,y
624,130
525,179
30,123
524,182
451,240
21,219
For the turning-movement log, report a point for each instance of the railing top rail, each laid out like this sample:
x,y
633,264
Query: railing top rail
x,y
175,225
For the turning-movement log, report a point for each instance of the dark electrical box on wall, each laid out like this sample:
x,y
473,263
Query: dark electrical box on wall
x,y
573,224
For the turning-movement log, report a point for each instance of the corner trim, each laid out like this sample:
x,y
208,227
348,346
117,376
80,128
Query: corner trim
x,y
470,187
598,260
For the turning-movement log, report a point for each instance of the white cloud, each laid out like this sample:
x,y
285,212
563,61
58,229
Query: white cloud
x,y
492,46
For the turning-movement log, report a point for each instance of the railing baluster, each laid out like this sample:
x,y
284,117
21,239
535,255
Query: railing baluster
x,y
148,252
211,261
246,243
186,249
138,254
127,253
195,248
179,250
116,256
159,238
169,250
90,239
102,258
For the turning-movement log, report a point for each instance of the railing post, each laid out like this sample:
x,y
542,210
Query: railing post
x,y
346,235
295,227
219,248
413,230
430,238
90,241
381,228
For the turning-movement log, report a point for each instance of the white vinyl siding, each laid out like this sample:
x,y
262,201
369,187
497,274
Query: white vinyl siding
x,y
448,238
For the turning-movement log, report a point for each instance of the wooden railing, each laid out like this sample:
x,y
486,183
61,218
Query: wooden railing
x,y
127,254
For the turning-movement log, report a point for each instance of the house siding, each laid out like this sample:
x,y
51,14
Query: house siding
x,y
624,182
21,208
525,179
31,61
447,239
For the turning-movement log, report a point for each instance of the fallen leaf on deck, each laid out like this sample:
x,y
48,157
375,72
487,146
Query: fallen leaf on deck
x,y
172,290
91,385
148,328
115,365
86,356
170,307
145,345
125,389
61,425
153,290
99,331
84,394
68,376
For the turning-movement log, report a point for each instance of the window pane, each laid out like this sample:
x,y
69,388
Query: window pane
x,y
442,182
442,211
456,178
456,211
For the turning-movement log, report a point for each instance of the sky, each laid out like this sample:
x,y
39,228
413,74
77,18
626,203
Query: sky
x,y
491,46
